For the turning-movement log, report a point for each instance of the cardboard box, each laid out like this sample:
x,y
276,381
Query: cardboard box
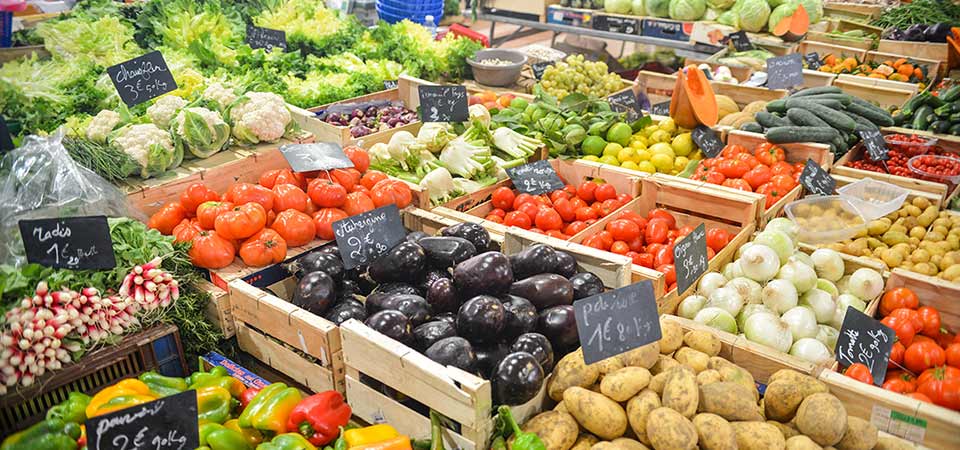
x,y
569,16
616,23
667,29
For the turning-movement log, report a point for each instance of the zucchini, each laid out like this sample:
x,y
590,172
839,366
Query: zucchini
x,y
954,129
952,94
817,91
752,127
842,98
947,109
862,123
835,118
802,117
899,118
777,106
940,126
921,120
878,116
912,105
769,120
840,146
783,135
832,104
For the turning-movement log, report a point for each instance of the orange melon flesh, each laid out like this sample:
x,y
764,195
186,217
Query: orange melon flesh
x,y
792,28
680,108
700,97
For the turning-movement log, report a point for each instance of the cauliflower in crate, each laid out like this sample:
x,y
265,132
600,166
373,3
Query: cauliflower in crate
x,y
152,148
222,95
260,117
162,111
201,131
101,125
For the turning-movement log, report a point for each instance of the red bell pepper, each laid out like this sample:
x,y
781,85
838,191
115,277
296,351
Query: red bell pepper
x,y
247,395
319,417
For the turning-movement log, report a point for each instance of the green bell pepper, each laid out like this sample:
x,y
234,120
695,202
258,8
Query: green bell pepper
x,y
73,409
214,404
163,386
51,434
287,441
521,440
218,437
217,376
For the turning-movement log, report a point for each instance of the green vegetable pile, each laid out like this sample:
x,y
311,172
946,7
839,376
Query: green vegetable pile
x,y
937,113
919,11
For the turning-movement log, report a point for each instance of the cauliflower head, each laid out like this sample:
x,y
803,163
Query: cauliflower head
x,y
153,149
162,111
202,131
101,125
259,117
220,94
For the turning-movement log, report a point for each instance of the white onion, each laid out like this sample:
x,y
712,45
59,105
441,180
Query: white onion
x,y
742,249
840,312
866,284
828,335
801,275
726,298
750,310
827,286
802,257
710,282
690,306
784,225
717,318
828,263
732,270
779,241
750,291
810,349
802,322
780,296
759,263
843,284
769,330
820,302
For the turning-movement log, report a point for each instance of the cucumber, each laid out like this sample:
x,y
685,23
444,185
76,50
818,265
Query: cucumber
x,y
752,127
951,95
862,123
921,120
835,105
842,98
802,117
783,135
954,129
940,126
878,116
840,146
899,118
835,118
817,91
777,106
769,120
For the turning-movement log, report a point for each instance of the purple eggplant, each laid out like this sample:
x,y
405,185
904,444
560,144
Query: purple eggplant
x,y
537,345
517,379
428,333
533,260
559,325
544,290
521,317
487,273
314,292
453,351
392,324
481,319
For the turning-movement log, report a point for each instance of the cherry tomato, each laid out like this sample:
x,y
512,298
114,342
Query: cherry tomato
x,y
518,219
503,198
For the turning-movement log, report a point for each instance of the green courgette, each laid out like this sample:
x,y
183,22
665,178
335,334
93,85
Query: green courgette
x,y
862,123
833,117
842,98
752,127
952,94
783,135
802,117
913,104
947,109
878,116
921,120
817,91
777,106
954,129
940,126
899,118
769,120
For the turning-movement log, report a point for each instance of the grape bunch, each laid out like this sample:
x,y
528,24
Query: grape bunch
x,y
578,75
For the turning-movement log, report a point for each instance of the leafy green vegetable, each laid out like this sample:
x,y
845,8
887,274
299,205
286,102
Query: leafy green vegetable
x,y
107,40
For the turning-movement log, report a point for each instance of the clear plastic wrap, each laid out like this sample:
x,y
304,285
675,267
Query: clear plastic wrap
x,y
40,180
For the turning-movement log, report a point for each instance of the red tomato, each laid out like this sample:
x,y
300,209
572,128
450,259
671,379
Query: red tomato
x,y
663,256
749,159
371,178
732,150
635,218
922,355
578,202
586,191
194,195
494,218
769,154
357,203
644,259
574,227
242,193
636,244
394,192
607,238
345,177
289,196
624,198
930,319
654,248
669,272
859,372
359,157
896,355
660,213
594,241
620,248
531,208
714,177
518,219
623,229
898,298
586,213
521,199
609,206
498,212
718,238
167,217
558,194
503,198
324,219
566,209
943,389
781,168
326,194
758,176
737,183
732,168
783,182
897,385
903,327
656,231
773,193
548,219
953,355
910,315
605,192
919,396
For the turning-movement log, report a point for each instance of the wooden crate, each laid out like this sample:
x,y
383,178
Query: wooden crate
x,y
325,132
877,91
932,65
218,310
659,87
823,49
815,78
931,291
280,357
827,38
935,51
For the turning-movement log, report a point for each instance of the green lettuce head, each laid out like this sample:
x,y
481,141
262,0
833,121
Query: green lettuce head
x,y
202,131
720,4
658,8
814,9
753,15
617,6
687,9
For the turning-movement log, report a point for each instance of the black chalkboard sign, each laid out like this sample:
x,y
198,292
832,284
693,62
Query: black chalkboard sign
x,y
6,141
315,156
740,41
389,84
626,101
443,104
266,38
168,423
816,180
364,237
813,60
617,321
661,109
690,258
865,340
539,68
69,242
535,178
875,145
142,78
785,72
708,141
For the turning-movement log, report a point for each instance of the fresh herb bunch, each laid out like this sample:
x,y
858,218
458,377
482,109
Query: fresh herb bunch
x,y
919,11
111,163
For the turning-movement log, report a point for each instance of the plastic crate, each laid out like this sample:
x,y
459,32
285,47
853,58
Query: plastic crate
x,y
874,199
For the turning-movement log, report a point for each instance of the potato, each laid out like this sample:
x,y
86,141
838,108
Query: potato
x,y
784,395
561,407
680,391
672,336
733,373
860,435
645,356
638,408
703,341
822,418
571,371
714,432
619,444
659,381
801,442
708,376
663,364
558,430
667,429
609,365
888,442
623,384
695,359
584,442
758,436
596,413
786,429
732,401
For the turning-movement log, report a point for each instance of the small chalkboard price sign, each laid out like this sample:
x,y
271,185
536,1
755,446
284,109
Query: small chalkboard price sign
x,y
315,156
69,242
535,178
389,84
740,41
813,60
816,180
690,258
875,144
708,141
6,141
169,423
865,340
142,78
539,68
443,104
617,321
626,101
785,72
661,109
365,237
266,38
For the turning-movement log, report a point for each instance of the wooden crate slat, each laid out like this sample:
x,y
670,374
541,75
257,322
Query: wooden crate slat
x,y
314,376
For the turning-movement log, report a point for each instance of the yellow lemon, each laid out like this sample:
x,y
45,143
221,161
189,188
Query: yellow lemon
x,y
630,165
668,125
638,144
662,162
649,129
609,159
662,148
660,136
646,166
626,154
591,158
612,149
643,155
682,144
680,163
641,139
697,155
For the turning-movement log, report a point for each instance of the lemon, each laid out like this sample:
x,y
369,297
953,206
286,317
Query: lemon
x,y
643,155
637,144
627,154
662,162
697,155
668,125
680,163
593,145
641,139
612,149
591,158
649,129
609,159
630,165
660,136
662,148
646,166
619,133
682,144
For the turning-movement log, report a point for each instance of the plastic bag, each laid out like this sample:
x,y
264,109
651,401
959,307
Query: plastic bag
x,y
40,180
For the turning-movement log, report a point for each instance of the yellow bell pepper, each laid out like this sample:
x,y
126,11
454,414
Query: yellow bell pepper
x,y
252,435
123,394
373,434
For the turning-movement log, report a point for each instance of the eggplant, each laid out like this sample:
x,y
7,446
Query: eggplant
x,y
537,345
544,290
347,288
533,260
405,261
566,264
376,301
521,317
414,307
586,284
559,325
517,379
472,232
915,32
450,317
432,275
314,292
317,261
894,33
446,251
487,273
330,248
415,236
426,334
481,319
453,351
488,356
392,324
397,288
937,32
344,311
442,296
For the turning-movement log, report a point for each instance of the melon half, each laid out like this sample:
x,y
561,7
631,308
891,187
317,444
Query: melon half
x,y
693,102
789,21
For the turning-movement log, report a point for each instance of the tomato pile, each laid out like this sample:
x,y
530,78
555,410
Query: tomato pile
x,y
937,167
491,100
925,359
765,171
561,214
902,147
285,209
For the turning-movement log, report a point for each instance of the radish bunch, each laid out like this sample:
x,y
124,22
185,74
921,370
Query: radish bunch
x,y
150,286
